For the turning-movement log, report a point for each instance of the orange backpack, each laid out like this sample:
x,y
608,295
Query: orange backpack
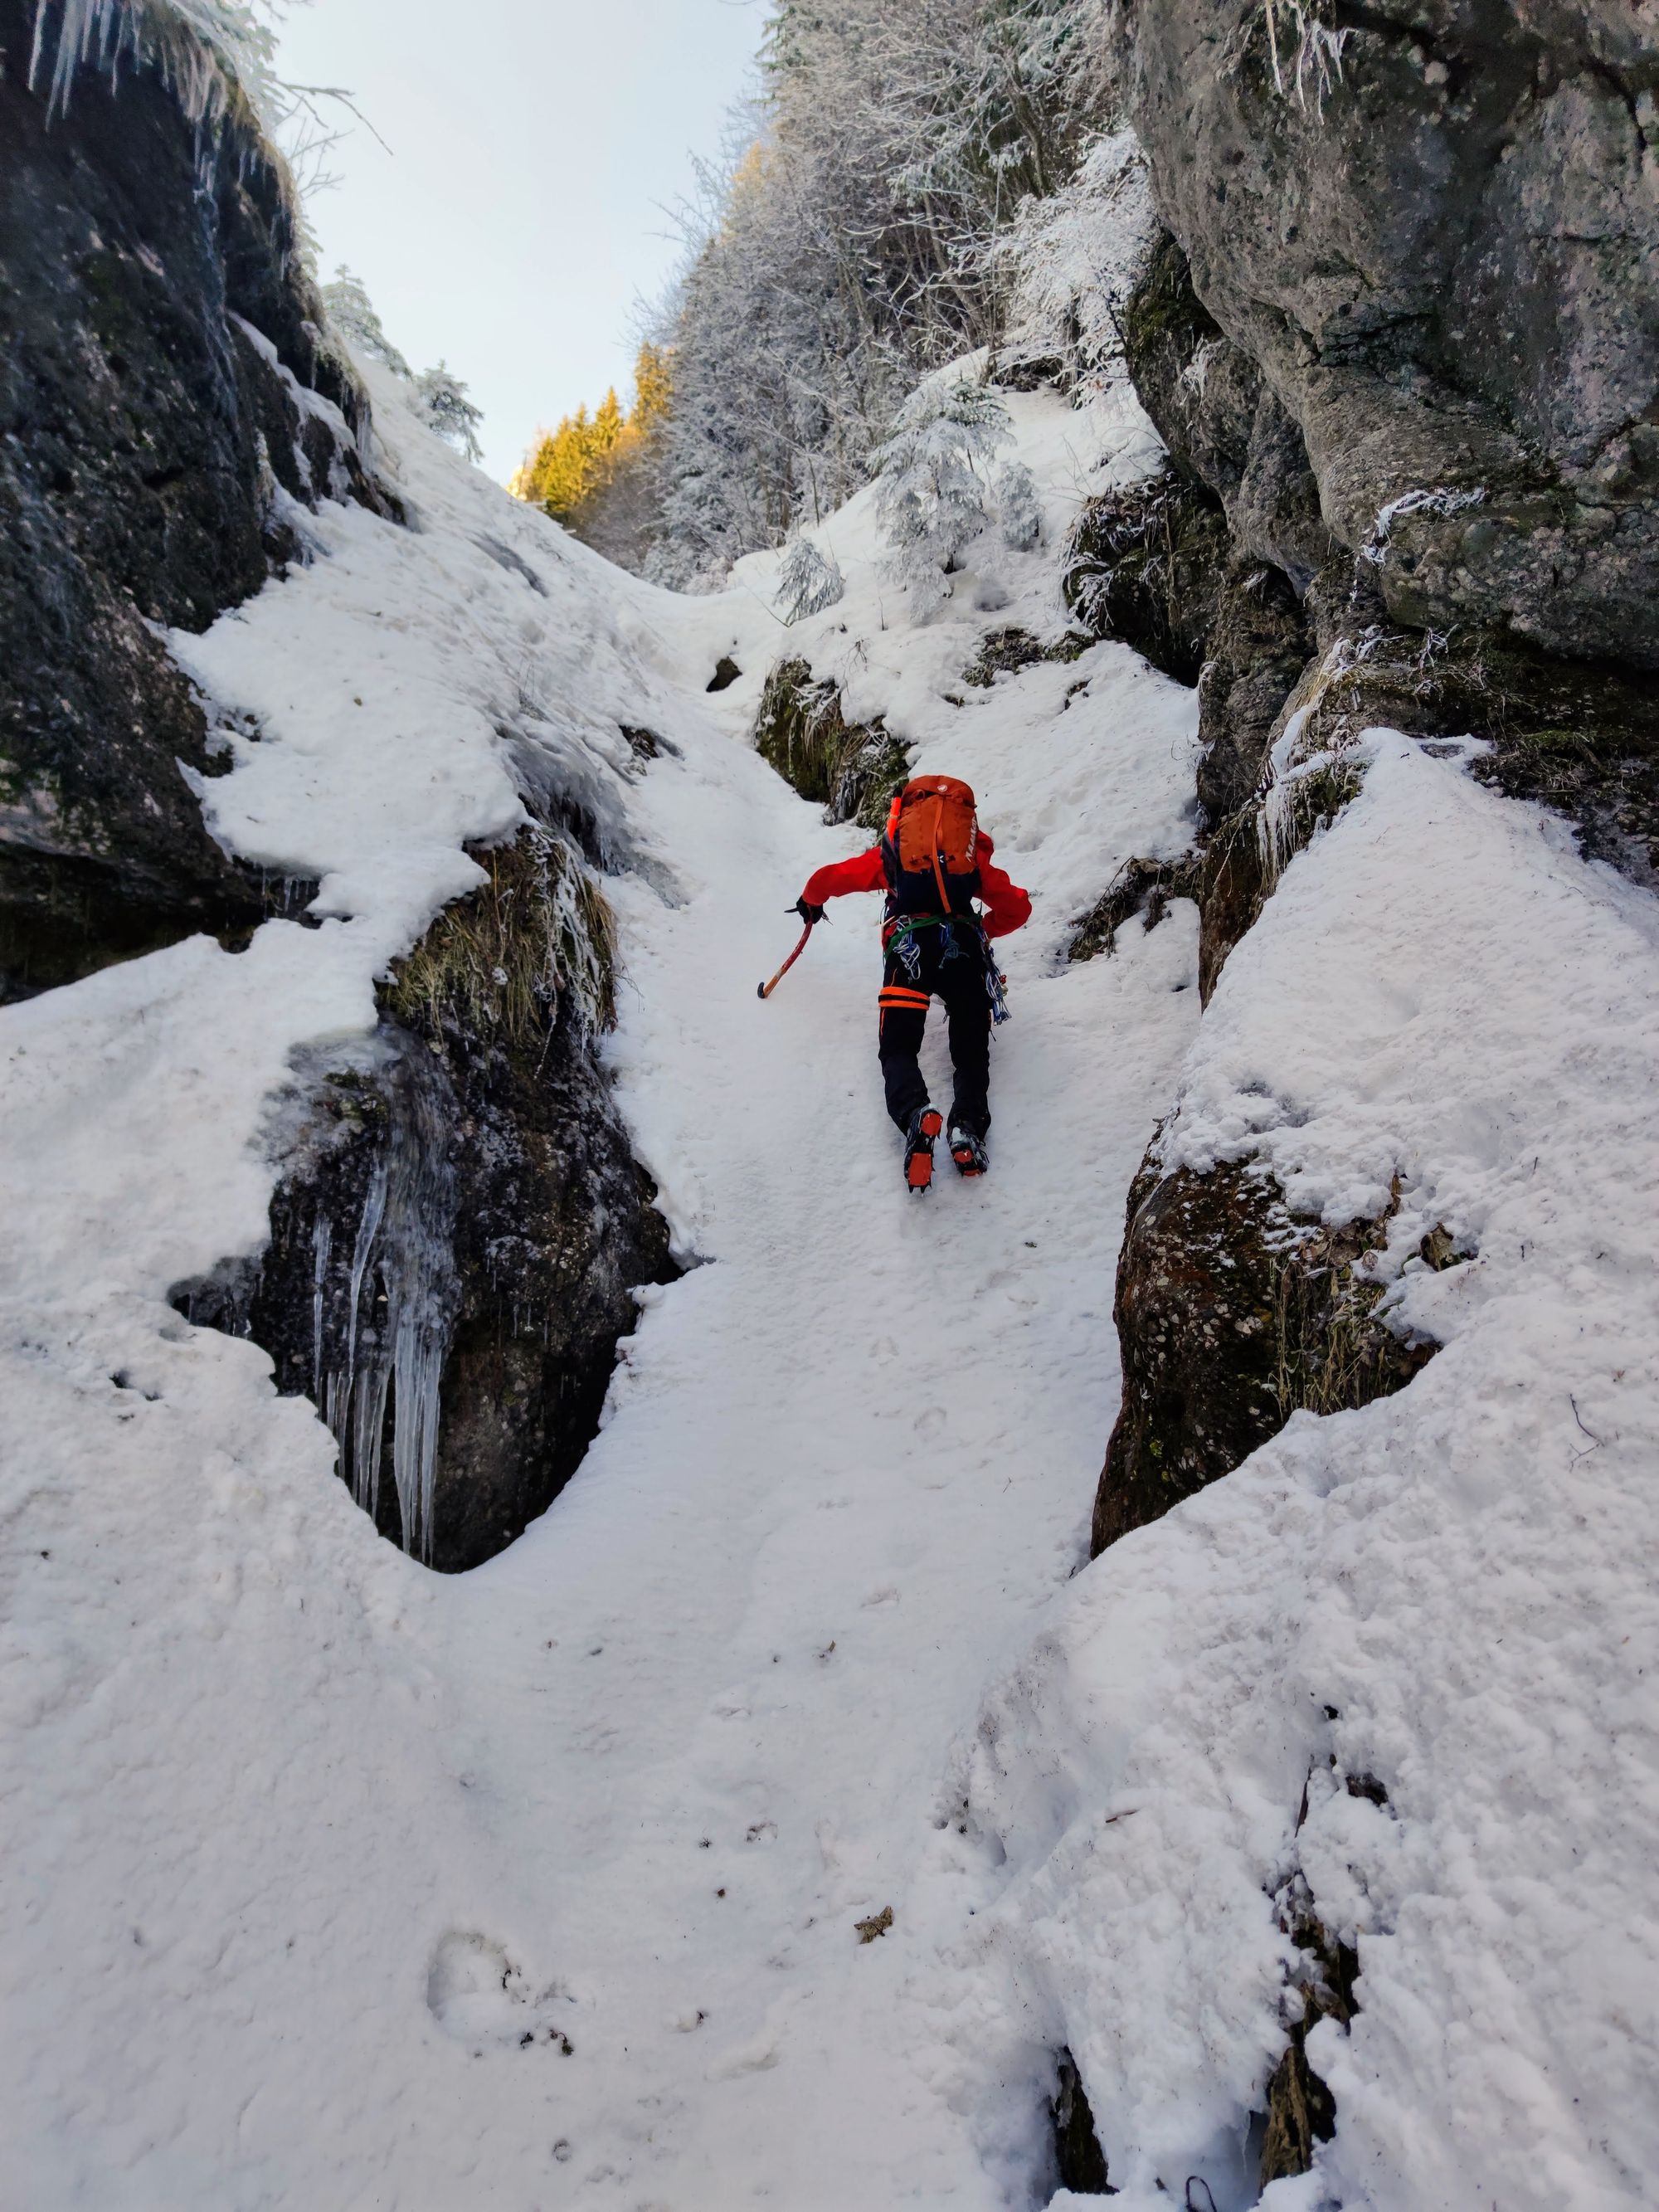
x,y
929,847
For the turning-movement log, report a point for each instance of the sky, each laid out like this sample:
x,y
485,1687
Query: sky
x,y
519,215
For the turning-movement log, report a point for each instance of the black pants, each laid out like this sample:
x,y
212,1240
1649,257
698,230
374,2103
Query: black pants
x,y
944,962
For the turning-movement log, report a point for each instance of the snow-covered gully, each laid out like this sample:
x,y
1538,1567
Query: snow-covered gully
x,y
541,1887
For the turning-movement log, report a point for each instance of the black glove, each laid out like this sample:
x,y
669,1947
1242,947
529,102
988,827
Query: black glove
x,y
810,915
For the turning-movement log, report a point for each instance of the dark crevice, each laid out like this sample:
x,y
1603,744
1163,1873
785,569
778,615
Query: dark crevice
x,y
1078,2155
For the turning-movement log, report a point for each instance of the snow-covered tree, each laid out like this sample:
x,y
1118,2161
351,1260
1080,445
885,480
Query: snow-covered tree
x,y
353,315
1019,510
847,251
931,488
808,581
1067,264
443,401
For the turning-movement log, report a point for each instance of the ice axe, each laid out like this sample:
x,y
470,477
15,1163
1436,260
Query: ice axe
x,y
765,990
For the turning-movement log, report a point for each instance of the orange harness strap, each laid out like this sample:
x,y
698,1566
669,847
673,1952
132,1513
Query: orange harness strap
x,y
895,999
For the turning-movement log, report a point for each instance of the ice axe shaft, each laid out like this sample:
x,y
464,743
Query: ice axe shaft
x,y
765,990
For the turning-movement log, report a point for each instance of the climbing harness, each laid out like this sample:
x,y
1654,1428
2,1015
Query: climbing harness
x,y
898,939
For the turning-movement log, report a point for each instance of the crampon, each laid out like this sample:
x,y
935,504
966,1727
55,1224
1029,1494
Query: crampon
x,y
968,1151
925,1125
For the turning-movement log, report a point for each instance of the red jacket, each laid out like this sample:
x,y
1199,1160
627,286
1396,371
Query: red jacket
x,y
1007,907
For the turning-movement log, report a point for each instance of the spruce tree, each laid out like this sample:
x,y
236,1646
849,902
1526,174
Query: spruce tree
x,y
808,581
930,493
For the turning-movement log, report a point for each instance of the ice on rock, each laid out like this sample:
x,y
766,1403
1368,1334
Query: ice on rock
x,y
401,1304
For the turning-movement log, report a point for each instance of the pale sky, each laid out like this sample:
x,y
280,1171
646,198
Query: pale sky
x,y
518,213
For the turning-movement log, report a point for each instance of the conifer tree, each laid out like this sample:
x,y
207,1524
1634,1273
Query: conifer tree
x,y
442,399
930,494
352,314
1019,510
808,581
597,474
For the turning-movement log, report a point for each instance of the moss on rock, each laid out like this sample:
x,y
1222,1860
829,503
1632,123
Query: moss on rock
x,y
501,960
1004,652
1144,566
1139,886
850,769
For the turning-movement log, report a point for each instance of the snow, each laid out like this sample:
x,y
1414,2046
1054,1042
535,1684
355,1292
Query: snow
x,y
337,1884
1460,1578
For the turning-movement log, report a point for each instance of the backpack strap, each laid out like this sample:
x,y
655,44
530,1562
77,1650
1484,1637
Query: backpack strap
x,y
935,839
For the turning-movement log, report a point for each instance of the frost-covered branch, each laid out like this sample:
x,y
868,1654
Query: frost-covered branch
x,y
442,400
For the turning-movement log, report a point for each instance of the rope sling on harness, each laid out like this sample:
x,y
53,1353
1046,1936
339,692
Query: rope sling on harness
x,y
996,983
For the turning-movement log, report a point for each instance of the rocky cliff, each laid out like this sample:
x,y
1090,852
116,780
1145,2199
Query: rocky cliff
x,y
458,1220
169,407
460,1223
1400,338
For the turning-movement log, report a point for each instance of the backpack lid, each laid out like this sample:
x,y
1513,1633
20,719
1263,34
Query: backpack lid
x,y
957,798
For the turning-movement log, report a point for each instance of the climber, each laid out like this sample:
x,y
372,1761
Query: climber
x,y
932,861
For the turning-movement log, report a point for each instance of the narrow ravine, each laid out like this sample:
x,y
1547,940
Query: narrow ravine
x,y
569,1852
845,1463
565,1644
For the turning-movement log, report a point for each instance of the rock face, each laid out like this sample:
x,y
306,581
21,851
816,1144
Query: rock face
x,y
1435,515
1403,336
1435,236
460,1223
1145,565
1224,425
166,409
1232,1317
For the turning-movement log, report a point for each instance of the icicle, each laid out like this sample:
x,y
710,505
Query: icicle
x,y
205,48
368,1229
419,1367
418,1268
403,1261
368,1427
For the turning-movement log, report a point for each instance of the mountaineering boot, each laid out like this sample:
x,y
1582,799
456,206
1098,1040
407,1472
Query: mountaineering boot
x,y
925,1125
968,1151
